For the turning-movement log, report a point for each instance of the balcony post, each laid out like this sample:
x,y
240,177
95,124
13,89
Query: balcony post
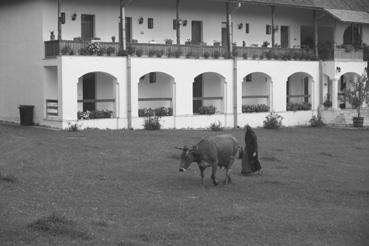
x,y
122,25
335,93
273,33
229,35
59,21
315,19
178,33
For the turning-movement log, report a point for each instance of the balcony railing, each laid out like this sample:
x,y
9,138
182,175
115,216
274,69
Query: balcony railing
x,y
68,47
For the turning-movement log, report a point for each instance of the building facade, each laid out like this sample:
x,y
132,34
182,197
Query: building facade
x,y
193,62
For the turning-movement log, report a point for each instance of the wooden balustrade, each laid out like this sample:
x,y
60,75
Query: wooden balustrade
x,y
70,47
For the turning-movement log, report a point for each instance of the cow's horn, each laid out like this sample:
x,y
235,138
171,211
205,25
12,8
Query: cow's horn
x,y
178,148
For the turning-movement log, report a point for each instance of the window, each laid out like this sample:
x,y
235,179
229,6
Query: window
x,y
268,29
150,23
174,24
247,28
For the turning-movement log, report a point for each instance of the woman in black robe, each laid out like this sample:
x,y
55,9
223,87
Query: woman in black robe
x,y
250,160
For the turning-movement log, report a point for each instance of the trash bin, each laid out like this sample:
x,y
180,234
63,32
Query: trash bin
x,y
26,115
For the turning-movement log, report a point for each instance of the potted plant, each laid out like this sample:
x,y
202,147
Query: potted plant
x,y
357,94
168,41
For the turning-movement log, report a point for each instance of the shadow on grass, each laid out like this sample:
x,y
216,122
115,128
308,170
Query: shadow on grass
x,y
326,154
57,225
9,178
270,158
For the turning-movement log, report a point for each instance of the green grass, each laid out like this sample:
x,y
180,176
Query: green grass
x,y
123,188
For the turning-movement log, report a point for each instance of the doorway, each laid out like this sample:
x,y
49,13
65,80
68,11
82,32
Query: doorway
x,y
196,32
197,94
285,36
89,92
87,27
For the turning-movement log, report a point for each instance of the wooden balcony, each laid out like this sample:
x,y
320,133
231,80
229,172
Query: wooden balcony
x,y
68,47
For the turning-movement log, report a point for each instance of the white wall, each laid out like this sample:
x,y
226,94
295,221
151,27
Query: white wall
x,y
21,46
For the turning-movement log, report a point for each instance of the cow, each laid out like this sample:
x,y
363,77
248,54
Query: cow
x,y
213,151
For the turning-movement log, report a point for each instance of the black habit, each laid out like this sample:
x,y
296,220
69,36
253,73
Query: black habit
x,y
250,160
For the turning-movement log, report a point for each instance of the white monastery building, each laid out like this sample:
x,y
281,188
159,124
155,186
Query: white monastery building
x,y
108,64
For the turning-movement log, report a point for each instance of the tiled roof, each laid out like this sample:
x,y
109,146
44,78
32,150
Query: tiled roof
x,y
355,5
350,15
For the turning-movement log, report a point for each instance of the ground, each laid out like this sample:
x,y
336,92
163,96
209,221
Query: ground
x,y
124,188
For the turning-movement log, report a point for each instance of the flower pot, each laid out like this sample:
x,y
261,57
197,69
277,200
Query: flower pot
x,y
358,121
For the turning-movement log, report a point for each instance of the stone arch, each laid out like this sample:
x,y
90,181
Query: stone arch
x,y
156,90
344,82
299,91
256,92
209,89
97,93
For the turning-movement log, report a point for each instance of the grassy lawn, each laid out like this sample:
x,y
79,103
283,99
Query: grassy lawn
x,y
123,188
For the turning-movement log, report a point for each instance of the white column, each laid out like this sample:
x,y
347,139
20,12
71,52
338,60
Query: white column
x,y
279,95
67,96
183,95
335,93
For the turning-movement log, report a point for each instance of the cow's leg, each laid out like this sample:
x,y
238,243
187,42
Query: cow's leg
x,y
202,174
227,179
213,172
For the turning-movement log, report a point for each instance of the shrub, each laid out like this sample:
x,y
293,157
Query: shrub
x,y
178,53
160,53
261,56
255,108
96,114
269,54
327,104
273,121
349,48
234,53
146,112
216,126
152,123
207,109
189,54
276,56
152,53
83,51
131,51
94,48
139,52
102,51
216,54
67,50
255,56
206,54
316,121
110,51
244,56
298,106
122,52
163,111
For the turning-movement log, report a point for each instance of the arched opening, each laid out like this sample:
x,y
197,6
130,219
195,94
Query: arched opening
x,y
155,94
353,34
344,83
208,93
96,94
256,89
298,92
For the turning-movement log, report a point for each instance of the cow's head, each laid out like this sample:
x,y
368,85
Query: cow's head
x,y
187,157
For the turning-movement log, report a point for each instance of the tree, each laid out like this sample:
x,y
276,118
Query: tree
x,y
358,92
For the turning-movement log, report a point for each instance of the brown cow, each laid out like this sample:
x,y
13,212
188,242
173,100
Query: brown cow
x,y
213,151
